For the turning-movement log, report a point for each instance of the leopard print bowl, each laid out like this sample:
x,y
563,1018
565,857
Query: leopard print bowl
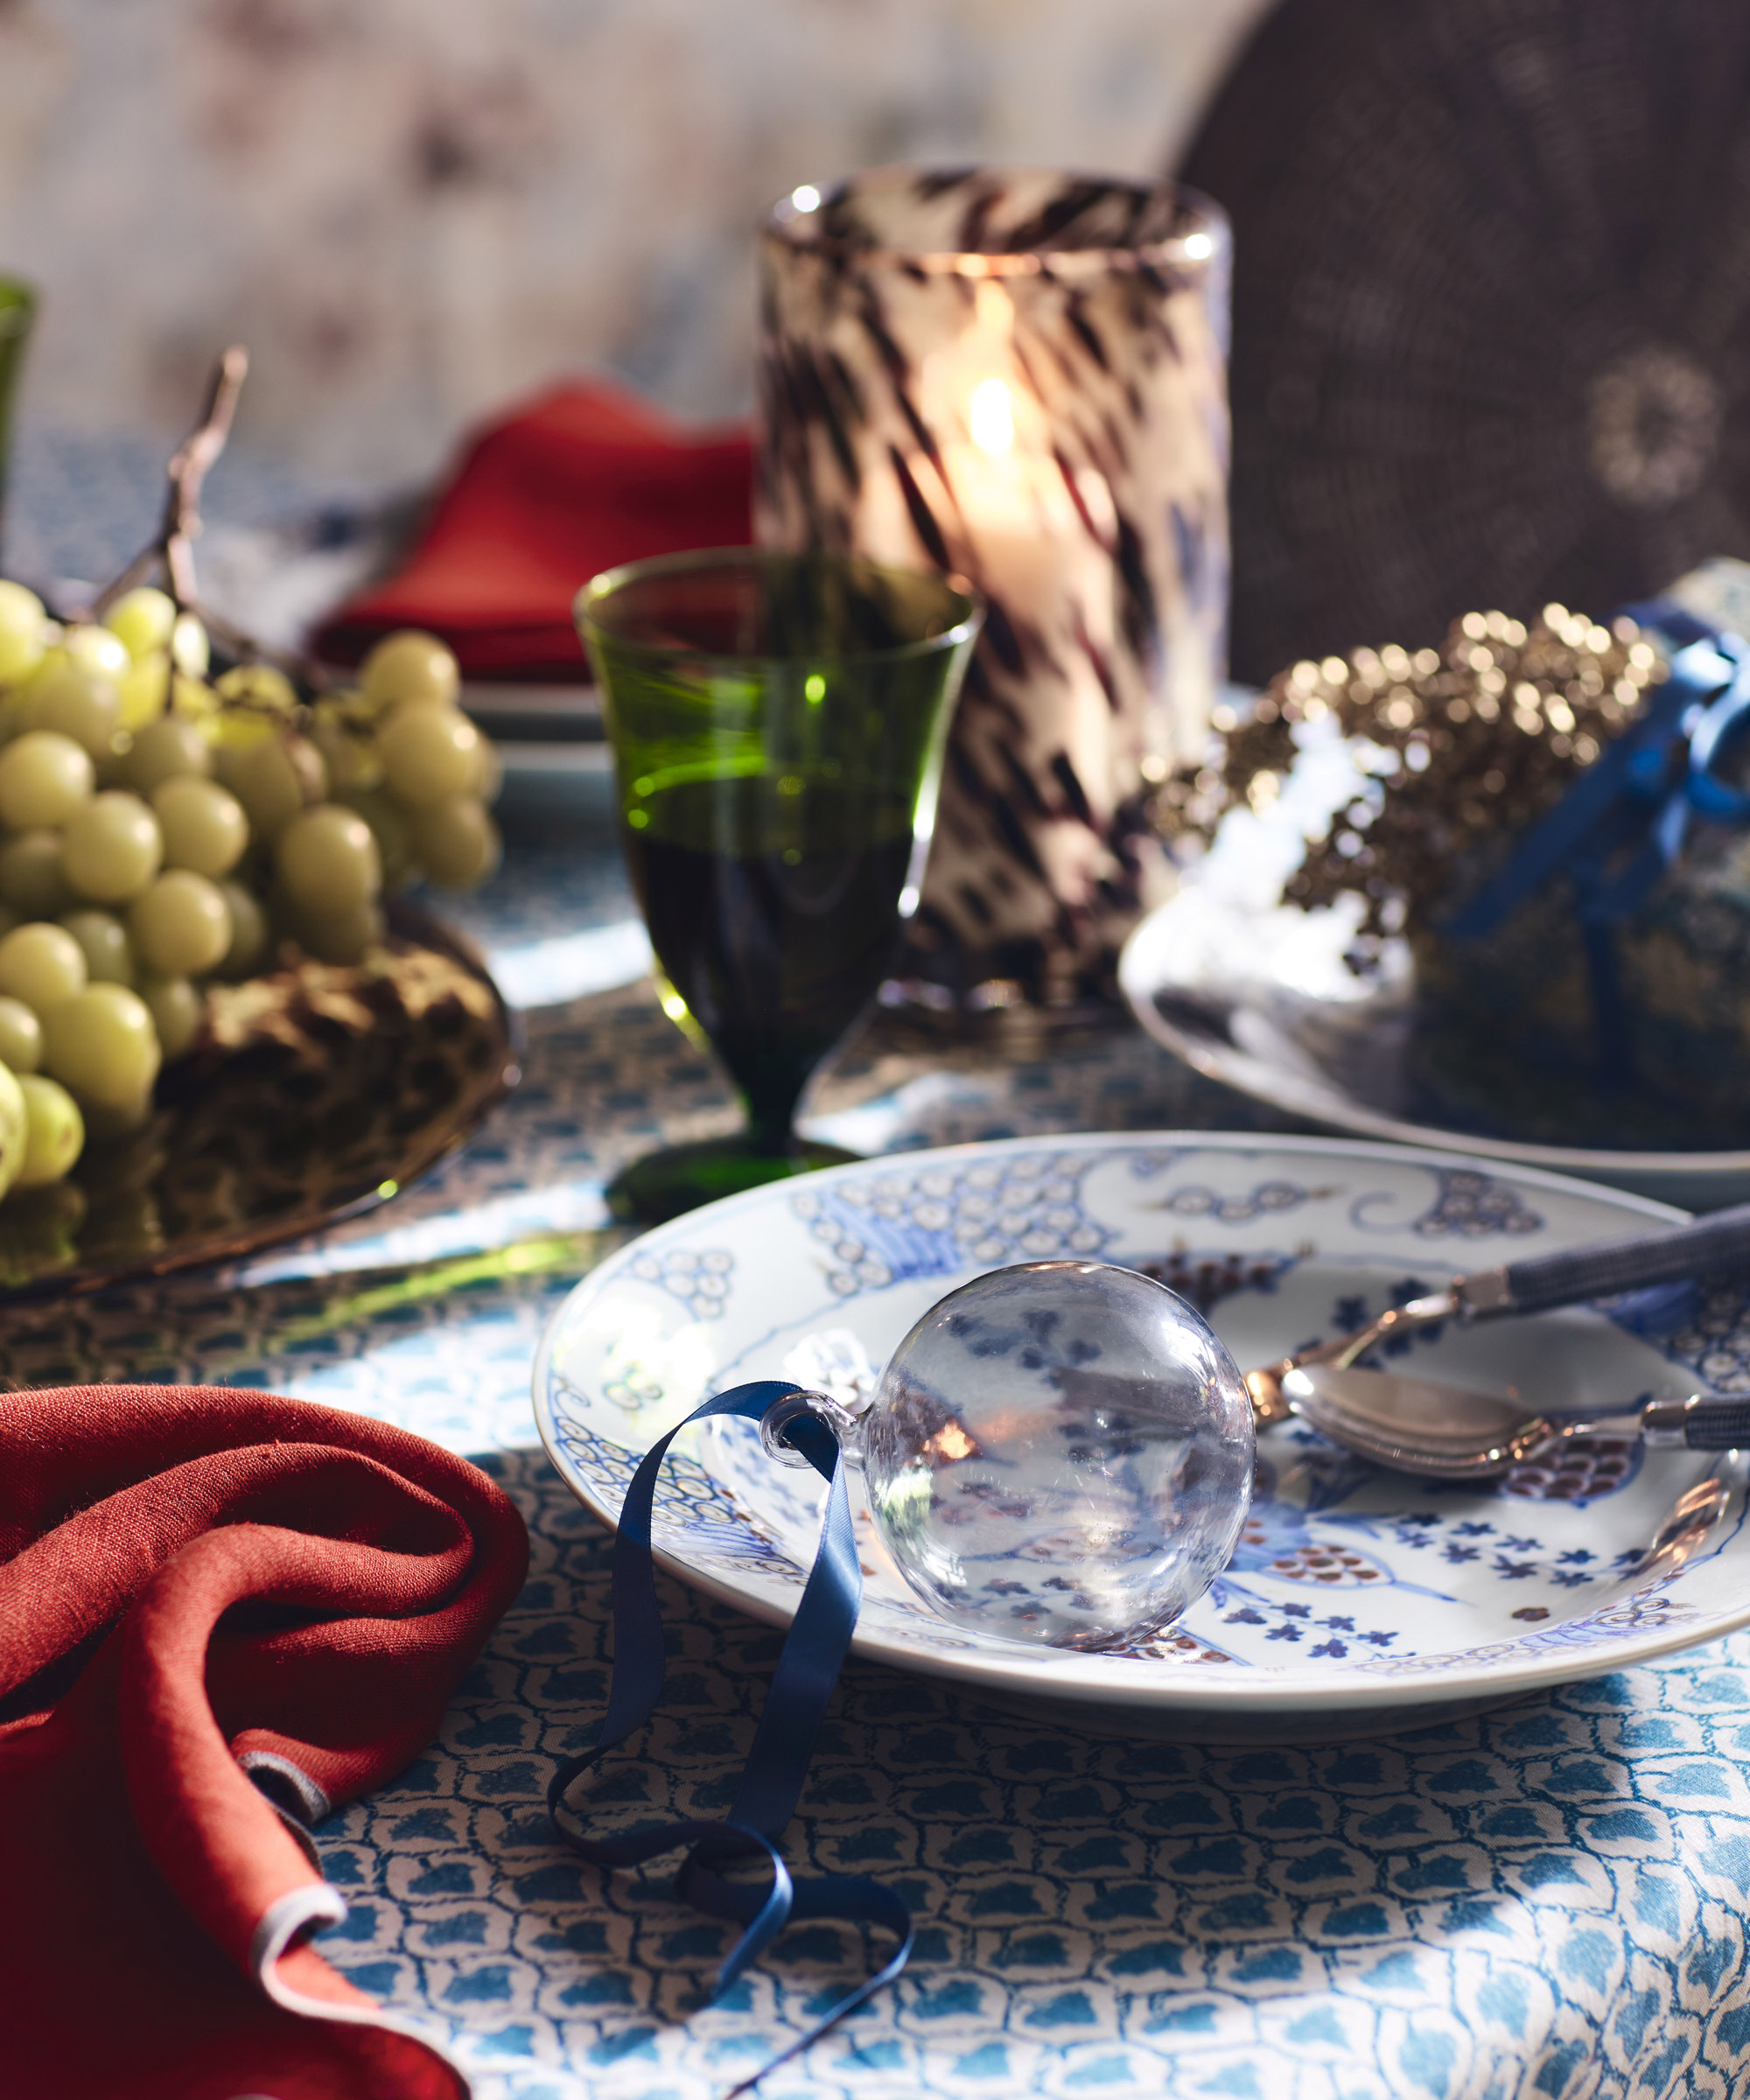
x,y
313,1093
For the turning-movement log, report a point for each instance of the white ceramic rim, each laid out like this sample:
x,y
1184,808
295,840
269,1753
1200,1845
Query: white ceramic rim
x,y
1096,1681
1287,1090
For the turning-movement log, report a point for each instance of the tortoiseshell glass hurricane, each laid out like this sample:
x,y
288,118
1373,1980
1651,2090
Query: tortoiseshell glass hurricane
x,y
1019,377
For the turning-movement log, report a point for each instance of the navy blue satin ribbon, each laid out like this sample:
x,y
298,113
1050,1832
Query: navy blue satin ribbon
x,y
777,1765
1623,822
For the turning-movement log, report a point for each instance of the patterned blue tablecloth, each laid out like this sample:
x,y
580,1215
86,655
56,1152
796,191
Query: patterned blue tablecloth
x,y
1546,1901
1549,1900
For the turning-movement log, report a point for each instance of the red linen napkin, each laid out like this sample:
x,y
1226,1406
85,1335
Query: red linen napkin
x,y
195,1583
581,479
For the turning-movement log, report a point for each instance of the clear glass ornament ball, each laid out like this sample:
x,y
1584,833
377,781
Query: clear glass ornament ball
x,y
1060,1452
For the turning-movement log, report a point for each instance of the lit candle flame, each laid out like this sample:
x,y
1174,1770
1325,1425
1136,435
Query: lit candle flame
x,y
991,417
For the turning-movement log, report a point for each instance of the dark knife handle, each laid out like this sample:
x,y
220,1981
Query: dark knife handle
x,y
1719,1242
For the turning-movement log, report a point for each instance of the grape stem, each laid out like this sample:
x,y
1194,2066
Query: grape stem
x,y
171,551
173,547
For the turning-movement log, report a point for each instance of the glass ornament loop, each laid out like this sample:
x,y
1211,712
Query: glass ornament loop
x,y
843,1418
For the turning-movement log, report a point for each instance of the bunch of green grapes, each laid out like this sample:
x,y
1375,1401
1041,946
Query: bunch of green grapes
x,y
160,827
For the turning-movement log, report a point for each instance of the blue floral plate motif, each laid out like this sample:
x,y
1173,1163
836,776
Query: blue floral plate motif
x,y
1357,1600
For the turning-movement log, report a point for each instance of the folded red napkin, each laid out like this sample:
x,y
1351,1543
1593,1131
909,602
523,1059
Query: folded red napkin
x,y
576,481
206,1595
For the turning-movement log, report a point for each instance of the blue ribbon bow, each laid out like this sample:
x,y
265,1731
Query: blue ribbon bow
x,y
1624,822
777,1765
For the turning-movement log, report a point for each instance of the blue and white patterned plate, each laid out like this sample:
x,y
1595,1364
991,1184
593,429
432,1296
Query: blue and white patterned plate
x,y
1358,1600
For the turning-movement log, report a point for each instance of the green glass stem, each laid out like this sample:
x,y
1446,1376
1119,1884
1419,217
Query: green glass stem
x,y
770,1088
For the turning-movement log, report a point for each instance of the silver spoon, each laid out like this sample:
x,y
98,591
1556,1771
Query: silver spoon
x,y
1457,1432
1450,1432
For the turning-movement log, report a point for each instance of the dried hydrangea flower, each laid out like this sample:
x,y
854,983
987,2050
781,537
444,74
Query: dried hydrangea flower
x,y
1464,746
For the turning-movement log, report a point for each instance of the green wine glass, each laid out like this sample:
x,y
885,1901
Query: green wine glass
x,y
777,725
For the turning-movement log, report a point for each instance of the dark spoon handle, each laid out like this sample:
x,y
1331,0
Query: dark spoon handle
x,y
1711,1244
1717,1426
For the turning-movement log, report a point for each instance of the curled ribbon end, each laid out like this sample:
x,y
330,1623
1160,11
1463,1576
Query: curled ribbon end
x,y
772,1780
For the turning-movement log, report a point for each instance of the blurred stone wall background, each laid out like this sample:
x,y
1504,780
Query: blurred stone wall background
x,y
414,210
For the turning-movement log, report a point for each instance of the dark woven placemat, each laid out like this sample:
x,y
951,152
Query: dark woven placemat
x,y
1492,309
